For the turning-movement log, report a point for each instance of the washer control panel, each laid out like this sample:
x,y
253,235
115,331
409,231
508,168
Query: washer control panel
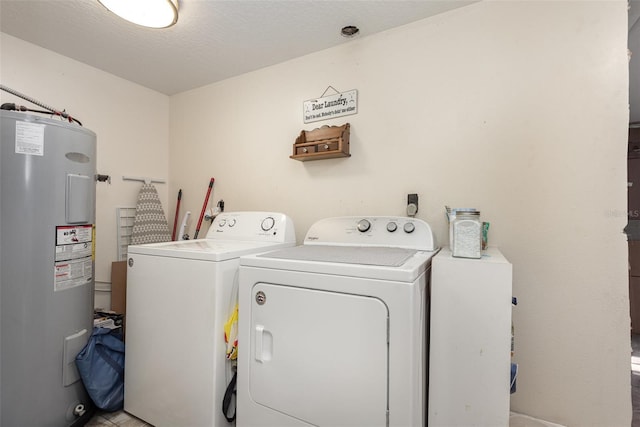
x,y
364,225
404,232
252,226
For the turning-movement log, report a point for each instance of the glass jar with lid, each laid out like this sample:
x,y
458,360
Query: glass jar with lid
x,y
466,235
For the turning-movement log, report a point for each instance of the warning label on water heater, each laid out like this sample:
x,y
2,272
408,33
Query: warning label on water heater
x,y
74,256
29,138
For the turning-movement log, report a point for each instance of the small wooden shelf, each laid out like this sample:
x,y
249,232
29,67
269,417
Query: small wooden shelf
x,y
326,142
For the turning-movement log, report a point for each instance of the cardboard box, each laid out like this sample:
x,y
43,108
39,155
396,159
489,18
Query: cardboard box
x,y
119,289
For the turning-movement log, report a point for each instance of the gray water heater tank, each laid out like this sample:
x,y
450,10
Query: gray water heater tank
x,y
47,216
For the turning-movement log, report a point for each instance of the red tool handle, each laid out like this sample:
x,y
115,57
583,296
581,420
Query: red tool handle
x,y
204,208
175,220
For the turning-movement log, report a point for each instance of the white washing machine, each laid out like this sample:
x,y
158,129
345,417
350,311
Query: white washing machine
x,y
179,295
334,332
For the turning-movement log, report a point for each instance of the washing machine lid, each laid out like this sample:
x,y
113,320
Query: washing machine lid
x,y
206,249
397,264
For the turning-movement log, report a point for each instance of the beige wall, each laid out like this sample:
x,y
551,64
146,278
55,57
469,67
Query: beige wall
x,y
516,108
131,123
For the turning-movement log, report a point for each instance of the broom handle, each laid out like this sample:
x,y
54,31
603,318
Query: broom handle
x,y
204,208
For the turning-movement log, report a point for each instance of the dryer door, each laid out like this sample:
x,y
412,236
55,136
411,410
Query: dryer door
x,y
318,356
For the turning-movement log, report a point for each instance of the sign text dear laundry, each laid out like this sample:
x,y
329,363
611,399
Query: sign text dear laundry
x,y
330,107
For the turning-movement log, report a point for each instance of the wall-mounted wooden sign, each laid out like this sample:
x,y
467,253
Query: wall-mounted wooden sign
x,y
330,107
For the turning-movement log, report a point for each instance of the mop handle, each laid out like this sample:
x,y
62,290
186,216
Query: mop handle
x,y
182,234
175,220
204,208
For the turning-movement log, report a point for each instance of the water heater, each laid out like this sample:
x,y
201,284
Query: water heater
x,y
47,242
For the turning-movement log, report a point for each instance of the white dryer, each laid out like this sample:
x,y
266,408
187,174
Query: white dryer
x,y
179,295
334,332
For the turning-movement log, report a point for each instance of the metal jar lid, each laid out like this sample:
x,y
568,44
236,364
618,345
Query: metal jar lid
x,y
461,214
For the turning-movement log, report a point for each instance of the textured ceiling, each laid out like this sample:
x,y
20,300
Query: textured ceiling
x,y
213,39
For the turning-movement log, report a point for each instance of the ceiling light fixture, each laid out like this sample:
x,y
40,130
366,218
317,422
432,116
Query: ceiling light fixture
x,y
148,13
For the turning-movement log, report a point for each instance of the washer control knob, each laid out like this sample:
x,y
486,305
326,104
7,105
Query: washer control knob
x,y
222,223
232,222
363,225
409,227
391,227
268,223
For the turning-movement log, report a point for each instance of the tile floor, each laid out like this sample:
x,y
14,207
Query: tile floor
x,y
111,419
122,419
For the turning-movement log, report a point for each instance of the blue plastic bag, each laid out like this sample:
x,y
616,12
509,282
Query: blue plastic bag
x,y
101,367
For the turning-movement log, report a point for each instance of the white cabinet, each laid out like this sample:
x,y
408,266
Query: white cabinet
x,y
470,340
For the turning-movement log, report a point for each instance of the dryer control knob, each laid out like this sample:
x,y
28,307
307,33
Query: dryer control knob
x,y
391,227
268,223
363,225
409,227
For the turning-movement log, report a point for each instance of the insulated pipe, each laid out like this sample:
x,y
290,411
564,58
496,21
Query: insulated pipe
x,y
40,104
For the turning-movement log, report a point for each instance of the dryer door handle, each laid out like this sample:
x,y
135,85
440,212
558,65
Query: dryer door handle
x,y
263,344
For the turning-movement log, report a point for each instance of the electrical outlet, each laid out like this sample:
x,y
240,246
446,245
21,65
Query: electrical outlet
x,y
412,204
